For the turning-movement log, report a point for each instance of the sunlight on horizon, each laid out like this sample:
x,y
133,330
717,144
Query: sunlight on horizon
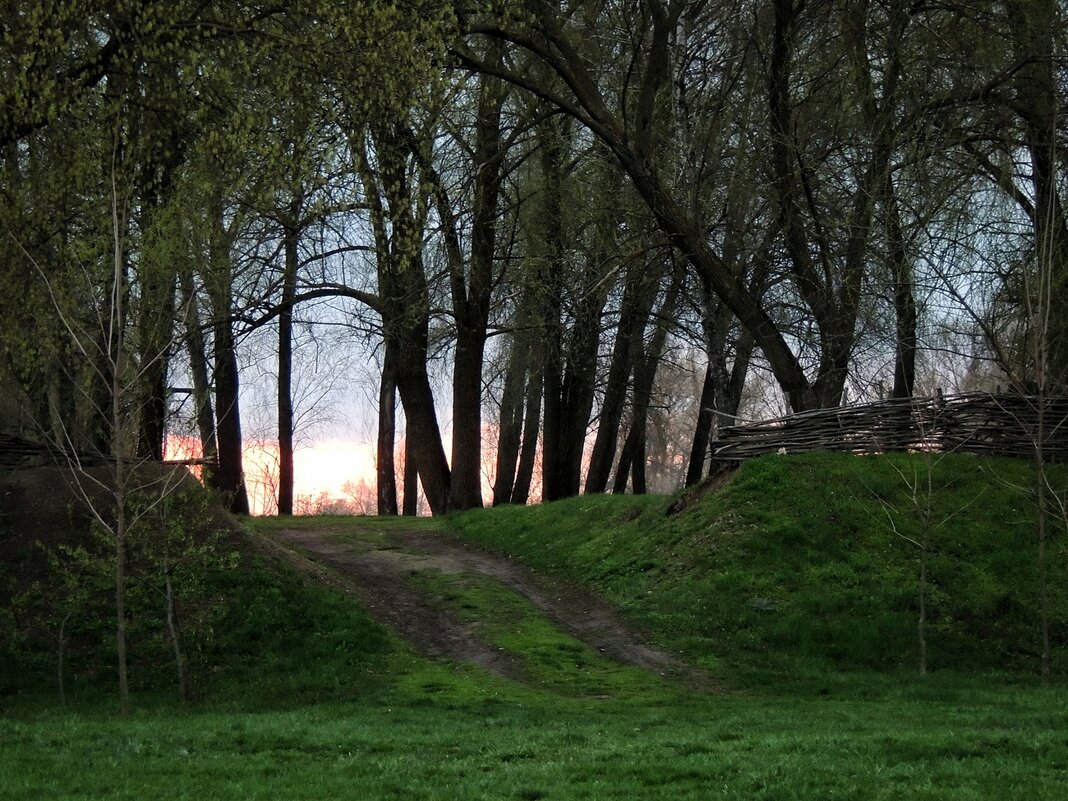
x,y
331,469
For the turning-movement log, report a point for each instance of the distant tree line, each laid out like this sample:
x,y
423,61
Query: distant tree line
x,y
546,202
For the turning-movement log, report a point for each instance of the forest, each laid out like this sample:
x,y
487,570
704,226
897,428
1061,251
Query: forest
x,y
559,227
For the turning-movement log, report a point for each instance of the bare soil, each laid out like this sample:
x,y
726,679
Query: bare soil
x,y
376,573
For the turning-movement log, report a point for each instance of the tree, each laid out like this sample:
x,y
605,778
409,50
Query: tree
x,y
471,283
398,207
626,125
105,343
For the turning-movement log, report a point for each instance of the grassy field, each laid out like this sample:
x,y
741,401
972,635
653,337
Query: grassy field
x,y
441,735
771,584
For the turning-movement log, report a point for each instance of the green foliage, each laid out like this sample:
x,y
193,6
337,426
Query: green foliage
x,y
791,567
175,543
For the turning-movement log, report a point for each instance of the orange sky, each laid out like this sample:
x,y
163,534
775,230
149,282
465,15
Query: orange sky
x,y
322,467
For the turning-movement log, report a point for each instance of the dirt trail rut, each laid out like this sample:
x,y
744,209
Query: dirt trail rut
x,y
376,572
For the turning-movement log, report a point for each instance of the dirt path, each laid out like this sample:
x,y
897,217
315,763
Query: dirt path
x,y
376,572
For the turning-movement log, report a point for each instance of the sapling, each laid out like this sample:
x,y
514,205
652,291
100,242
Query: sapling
x,y
922,493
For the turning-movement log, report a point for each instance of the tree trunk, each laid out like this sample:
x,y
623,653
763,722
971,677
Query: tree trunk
x,y
154,409
411,480
553,134
634,316
721,392
510,428
570,377
156,323
528,452
1037,101
471,301
634,450
230,477
285,373
117,360
386,468
423,443
61,656
702,435
198,368
120,587
905,315
174,632
465,477
398,222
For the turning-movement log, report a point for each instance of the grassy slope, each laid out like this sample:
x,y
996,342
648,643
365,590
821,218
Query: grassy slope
x,y
793,566
311,700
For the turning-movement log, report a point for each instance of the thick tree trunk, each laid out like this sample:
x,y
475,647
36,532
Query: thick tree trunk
x,y
386,468
465,479
578,390
423,443
230,477
285,374
397,220
471,301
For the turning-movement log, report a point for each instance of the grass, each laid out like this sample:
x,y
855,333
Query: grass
x,y
925,742
307,698
792,569
548,658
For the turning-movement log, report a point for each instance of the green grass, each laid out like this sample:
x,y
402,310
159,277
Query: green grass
x,y
548,659
307,698
972,741
792,568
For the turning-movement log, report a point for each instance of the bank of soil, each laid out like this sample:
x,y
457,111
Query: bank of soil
x,y
377,571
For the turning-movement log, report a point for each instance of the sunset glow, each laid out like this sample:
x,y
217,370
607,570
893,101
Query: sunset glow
x,y
333,468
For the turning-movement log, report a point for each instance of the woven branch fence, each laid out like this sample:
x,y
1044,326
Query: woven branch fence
x,y
980,422
17,453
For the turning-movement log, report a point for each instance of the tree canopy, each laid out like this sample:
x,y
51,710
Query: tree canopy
x,y
578,235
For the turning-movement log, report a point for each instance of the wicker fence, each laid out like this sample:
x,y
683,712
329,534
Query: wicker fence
x,y
1005,425
17,453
